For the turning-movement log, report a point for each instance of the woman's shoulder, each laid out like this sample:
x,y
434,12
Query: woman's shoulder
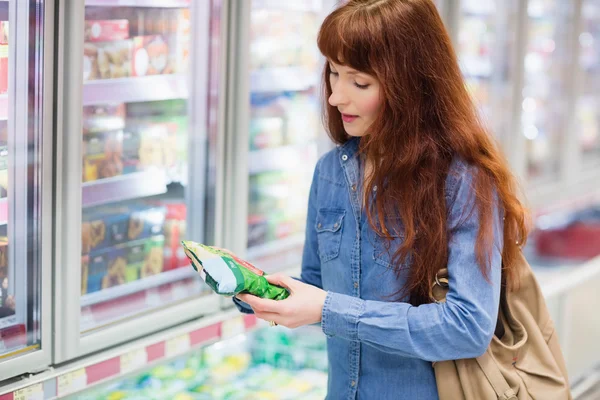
x,y
460,173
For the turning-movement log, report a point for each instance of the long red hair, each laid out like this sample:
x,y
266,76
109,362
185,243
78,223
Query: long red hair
x,y
427,118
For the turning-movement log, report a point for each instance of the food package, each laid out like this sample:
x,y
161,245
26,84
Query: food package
x,y
105,60
3,255
103,118
107,30
102,155
110,226
150,56
175,225
3,171
85,264
147,145
229,275
144,258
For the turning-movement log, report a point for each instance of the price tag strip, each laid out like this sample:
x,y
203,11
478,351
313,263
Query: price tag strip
x,y
33,392
71,382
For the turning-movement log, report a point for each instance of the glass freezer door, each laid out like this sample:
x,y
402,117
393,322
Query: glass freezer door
x,y
544,93
142,94
285,129
486,42
25,187
588,103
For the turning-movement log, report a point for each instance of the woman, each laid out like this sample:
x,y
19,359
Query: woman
x,y
415,185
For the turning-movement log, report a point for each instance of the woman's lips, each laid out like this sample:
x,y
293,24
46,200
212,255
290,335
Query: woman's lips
x,y
348,118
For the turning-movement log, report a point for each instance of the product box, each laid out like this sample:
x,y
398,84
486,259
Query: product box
x,y
150,56
105,60
151,144
85,265
266,132
127,262
175,227
102,155
110,226
3,68
107,30
3,171
103,118
3,254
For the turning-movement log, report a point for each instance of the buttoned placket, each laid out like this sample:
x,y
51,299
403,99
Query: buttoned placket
x,y
351,167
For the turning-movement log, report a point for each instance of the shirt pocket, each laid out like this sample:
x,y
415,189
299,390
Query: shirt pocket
x,y
329,232
384,248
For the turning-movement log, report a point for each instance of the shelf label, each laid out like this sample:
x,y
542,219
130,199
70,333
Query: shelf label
x,y
33,392
133,360
153,299
177,345
71,382
180,291
232,327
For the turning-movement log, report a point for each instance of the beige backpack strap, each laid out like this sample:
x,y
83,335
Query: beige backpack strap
x,y
494,376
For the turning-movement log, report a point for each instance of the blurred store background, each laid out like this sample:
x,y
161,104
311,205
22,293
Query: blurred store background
x,y
127,125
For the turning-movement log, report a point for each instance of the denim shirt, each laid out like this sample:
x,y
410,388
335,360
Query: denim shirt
x,y
379,348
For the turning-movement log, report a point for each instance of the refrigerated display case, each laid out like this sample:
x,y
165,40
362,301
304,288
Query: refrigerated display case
x,y
140,127
285,137
588,102
487,40
544,97
265,364
25,186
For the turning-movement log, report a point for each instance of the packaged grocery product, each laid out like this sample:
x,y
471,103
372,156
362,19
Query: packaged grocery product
x,y
175,225
102,155
3,254
229,275
85,265
150,56
112,225
150,144
3,171
104,60
107,30
103,118
266,132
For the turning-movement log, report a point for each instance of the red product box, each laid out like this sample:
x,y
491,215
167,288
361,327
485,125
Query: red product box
x,y
175,225
104,31
150,56
579,241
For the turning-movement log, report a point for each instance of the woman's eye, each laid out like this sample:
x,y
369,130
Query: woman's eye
x,y
333,73
361,86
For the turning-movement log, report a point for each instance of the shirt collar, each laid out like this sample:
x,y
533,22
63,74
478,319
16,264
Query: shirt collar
x,y
348,149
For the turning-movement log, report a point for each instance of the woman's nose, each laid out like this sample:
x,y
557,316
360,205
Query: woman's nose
x,y
337,97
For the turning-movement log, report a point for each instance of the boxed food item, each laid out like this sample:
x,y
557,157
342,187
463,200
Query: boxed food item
x,y
3,171
104,60
266,132
103,118
3,255
150,56
102,155
110,226
106,30
151,144
175,225
229,275
85,265
123,263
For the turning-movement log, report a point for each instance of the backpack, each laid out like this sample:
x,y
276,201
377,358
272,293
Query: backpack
x,y
523,361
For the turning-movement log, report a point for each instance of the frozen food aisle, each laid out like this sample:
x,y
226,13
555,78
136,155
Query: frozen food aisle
x,y
128,125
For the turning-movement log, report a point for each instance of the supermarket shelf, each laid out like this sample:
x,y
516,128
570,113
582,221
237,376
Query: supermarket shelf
x,y
136,286
139,3
3,106
556,281
130,358
3,211
277,246
281,158
144,88
124,187
282,79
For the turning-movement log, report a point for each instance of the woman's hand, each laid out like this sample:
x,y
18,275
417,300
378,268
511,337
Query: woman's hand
x,y
303,307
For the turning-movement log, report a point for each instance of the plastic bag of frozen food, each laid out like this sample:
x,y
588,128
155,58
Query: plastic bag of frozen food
x,y
229,275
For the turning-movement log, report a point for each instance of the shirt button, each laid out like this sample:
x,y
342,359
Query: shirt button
x,y
335,225
344,157
356,284
375,188
319,226
354,188
353,383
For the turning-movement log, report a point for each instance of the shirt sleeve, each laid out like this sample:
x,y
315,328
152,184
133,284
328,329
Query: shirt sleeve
x,y
461,327
311,263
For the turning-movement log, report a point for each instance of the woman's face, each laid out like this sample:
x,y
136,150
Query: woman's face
x,y
356,95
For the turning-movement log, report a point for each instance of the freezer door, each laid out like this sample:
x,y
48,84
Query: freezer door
x,y
487,38
136,78
25,185
548,57
587,112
